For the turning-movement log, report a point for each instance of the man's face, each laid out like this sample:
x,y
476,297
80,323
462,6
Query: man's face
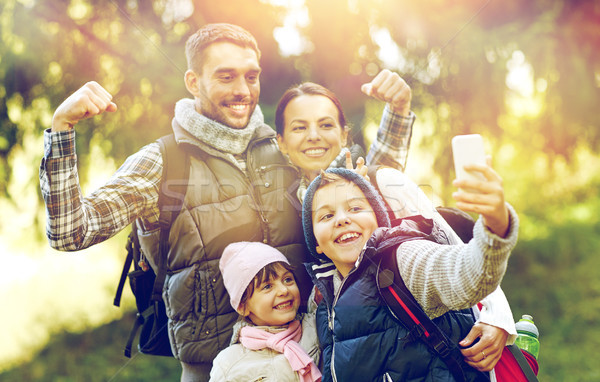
x,y
229,86
343,221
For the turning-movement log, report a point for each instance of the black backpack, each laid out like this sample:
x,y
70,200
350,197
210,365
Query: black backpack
x,y
146,285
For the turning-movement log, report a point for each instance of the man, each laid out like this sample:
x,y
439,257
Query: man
x,y
238,179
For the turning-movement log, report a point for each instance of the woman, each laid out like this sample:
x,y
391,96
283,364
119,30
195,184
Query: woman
x,y
312,131
317,137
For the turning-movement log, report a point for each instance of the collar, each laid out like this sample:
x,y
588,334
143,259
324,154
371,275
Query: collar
x,y
214,134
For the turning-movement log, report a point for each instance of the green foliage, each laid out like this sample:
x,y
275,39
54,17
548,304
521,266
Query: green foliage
x,y
555,280
96,355
525,74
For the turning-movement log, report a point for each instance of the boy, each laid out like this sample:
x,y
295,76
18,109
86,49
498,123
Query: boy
x,y
342,213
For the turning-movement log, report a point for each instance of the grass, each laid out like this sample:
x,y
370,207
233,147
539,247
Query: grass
x,y
95,355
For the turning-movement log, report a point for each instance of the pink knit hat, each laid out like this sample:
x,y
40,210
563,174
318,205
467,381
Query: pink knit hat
x,y
239,264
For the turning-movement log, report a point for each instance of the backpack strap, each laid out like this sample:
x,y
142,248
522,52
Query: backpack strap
x,y
132,245
171,193
407,310
525,366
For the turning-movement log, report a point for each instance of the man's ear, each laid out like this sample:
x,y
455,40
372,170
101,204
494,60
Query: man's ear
x,y
319,250
191,82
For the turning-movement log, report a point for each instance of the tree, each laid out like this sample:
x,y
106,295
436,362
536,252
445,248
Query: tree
x,y
525,74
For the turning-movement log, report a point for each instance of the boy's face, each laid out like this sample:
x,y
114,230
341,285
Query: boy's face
x,y
228,88
343,220
274,302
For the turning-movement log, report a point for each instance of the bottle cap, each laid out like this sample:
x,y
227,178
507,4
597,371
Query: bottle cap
x,y
526,325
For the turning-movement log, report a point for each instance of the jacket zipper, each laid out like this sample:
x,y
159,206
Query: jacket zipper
x,y
332,322
250,175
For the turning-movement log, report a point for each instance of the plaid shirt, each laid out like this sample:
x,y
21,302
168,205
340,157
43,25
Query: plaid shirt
x,y
393,140
75,222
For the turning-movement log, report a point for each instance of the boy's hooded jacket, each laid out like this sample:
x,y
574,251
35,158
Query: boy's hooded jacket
x,y
360,338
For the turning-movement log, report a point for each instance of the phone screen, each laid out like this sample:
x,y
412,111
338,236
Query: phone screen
x,y
468,149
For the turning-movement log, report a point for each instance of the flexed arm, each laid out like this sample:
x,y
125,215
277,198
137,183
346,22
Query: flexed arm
x,y
89,100
389,87
73,221
390,148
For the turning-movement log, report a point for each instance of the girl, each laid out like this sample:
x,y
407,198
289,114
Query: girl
x,y
270,342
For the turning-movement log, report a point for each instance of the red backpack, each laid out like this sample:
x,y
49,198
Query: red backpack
x,y
516,365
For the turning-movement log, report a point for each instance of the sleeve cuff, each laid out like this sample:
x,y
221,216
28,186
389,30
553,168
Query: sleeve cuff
x,y
495,311
410,116
396,123
59,144
494,240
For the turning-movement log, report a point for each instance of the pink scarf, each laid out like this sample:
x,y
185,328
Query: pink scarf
x,y
285,342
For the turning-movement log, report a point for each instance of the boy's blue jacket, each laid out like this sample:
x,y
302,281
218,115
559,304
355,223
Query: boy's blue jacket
x,y
360,338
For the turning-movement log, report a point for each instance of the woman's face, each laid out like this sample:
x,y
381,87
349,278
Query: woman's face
x,y
312,135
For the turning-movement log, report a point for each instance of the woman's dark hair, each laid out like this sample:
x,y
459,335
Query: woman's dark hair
x,y
306,88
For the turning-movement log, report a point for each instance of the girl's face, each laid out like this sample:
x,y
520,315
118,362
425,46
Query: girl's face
x,y
312,135
343,221
274,302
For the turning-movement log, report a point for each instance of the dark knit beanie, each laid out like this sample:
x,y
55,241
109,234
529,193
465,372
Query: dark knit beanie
x,y
365,186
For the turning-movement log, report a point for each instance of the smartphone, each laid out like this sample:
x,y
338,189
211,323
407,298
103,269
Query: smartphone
x,y
468,149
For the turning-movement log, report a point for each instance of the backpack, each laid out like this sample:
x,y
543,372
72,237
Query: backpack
x,y
147,283
514,365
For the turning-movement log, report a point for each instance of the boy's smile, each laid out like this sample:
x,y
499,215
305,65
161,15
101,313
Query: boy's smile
x,y
343,221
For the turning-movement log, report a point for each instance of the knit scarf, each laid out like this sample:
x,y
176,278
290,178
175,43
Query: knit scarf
x,y
285,342
213,133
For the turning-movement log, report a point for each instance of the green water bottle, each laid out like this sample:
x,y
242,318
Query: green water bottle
x,y
527,336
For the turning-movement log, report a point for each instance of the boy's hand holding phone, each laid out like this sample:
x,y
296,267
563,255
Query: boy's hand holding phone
x,y
482,193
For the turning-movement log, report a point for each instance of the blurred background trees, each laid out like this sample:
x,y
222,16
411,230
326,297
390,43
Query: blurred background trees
x,y
523,73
